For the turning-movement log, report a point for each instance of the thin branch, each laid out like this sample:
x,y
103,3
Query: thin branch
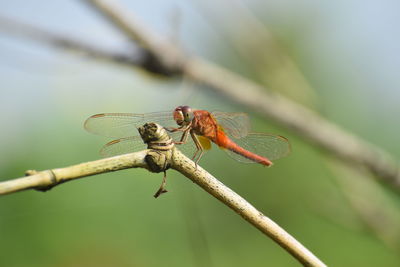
x,y
220,191
45,180
303,121
167,156
162,55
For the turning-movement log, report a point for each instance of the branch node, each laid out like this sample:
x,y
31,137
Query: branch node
x,y
157,161
50,183
161,147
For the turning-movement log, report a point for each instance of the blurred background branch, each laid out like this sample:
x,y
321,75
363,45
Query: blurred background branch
x,y
23,30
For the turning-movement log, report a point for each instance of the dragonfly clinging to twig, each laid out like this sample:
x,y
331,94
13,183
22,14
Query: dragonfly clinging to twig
x,y
230,131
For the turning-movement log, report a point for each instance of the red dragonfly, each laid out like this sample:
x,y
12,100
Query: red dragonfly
x,y
230,131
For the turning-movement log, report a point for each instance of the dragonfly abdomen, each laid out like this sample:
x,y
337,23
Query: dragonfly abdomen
x,y
225,142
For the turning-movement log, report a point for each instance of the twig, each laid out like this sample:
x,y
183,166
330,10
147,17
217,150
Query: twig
x,y
45,180
303,121
157,161
220,191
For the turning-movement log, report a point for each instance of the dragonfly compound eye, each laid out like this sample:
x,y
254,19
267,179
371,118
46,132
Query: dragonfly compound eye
x,y
187,113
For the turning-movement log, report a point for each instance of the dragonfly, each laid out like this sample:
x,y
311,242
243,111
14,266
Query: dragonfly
x,y
230,131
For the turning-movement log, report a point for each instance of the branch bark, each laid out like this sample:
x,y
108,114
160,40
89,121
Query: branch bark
x,y
45,180
234,201
158,160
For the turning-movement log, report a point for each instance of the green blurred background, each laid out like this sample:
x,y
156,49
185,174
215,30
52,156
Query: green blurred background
x,y
340,58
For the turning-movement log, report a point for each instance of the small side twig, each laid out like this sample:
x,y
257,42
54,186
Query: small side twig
x,y
162,188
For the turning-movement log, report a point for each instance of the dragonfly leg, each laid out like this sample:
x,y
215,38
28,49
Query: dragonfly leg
x,y
198,146
179,129
183,138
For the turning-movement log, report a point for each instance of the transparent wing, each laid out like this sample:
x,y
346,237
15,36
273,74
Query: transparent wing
x,y
269,146
237,124
118,125
123,146
135,143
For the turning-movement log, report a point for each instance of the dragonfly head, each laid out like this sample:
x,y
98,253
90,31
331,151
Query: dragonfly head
x,y
183,115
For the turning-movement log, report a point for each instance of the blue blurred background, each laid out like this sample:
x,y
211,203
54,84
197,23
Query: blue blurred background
x,y
340,58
